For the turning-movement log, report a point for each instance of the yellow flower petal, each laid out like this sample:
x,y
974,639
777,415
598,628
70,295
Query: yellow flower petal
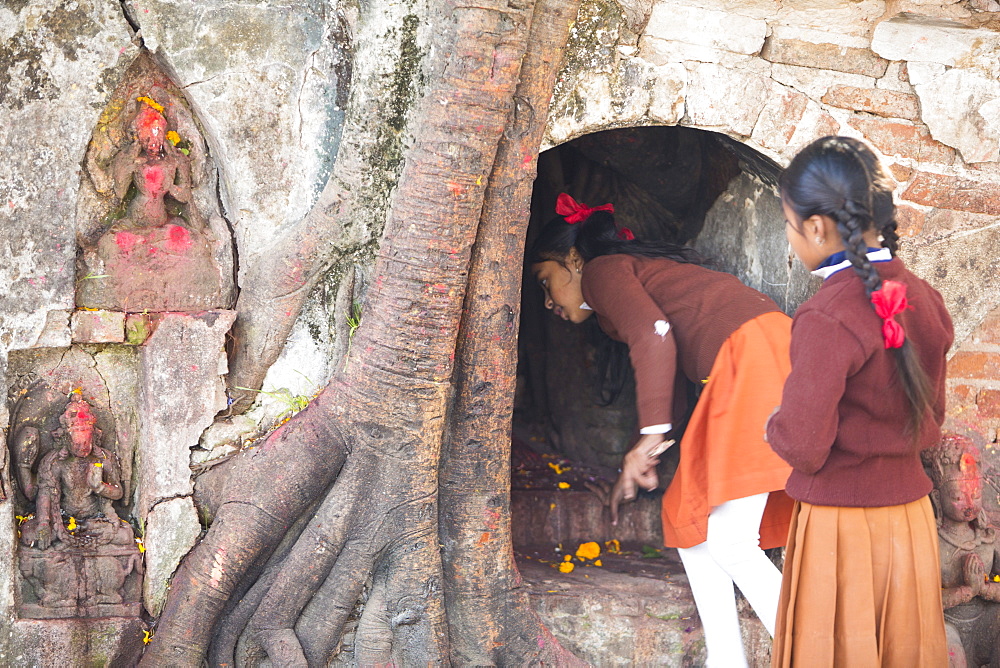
x,y
564,485
598,563
566,567
173,137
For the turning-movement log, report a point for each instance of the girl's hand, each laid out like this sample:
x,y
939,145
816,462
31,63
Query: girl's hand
x,y
638,470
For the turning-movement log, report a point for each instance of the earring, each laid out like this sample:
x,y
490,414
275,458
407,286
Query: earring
x,y
578,270
820,241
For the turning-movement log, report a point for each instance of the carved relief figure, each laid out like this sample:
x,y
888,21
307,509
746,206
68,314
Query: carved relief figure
x,y
148,218
970,550
78,558
159,255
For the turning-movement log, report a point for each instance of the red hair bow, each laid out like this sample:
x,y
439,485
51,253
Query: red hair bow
x,y
889,300
574,212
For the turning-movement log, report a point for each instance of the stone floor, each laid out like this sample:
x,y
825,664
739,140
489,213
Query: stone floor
x,y
631,611
630,608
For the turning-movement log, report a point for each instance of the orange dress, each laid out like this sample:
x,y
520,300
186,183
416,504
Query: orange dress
x,y
723,454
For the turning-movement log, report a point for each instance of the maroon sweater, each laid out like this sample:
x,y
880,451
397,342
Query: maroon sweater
x,y
843,413
703,307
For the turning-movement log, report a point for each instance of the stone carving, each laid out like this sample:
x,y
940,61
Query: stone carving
x,y
147,246
78,558
970,553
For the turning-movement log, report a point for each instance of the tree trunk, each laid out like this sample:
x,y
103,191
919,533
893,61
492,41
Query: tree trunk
x,y
273,577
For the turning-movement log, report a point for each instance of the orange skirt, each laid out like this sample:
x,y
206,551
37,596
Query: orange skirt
x,y
861,587
723,453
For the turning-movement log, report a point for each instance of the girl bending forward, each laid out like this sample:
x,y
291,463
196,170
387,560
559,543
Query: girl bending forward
x,y
862,584
725,502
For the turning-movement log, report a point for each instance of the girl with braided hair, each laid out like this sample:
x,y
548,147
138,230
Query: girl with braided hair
x,y
725,503
861,583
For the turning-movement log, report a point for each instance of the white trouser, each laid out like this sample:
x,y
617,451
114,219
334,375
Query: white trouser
x,y
732,553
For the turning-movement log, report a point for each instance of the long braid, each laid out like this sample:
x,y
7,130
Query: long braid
x,y
852,219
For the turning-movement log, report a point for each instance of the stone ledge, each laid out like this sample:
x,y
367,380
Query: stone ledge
x,y
824,57
924,39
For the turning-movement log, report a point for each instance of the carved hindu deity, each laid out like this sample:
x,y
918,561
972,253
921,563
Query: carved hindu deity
x,y
78,558
146,245
970,550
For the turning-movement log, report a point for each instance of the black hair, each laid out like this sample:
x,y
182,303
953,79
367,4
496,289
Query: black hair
x,y
598,235
841,178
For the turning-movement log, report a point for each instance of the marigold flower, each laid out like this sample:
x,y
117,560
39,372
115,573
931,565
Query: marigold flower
x,y
613,546
173,137
564,485
598,563
71,525
589,550
566,567
568,557
151,102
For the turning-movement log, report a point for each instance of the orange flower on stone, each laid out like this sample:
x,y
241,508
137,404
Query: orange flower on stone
x,y
566,567
613,546
589,550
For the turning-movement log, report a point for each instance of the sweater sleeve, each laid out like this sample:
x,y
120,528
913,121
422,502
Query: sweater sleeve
x,y
615,293
823,354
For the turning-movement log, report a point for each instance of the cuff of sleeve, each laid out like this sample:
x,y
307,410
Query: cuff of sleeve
x,y
657,429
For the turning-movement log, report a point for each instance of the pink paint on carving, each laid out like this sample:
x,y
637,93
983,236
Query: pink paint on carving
x,y
179,240
127,241
155,178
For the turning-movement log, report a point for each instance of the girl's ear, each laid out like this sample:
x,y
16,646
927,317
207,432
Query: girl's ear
x,y
821,229
574,260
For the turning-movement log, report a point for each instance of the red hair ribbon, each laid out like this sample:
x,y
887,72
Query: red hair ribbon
x,y
574,212
625,234
889,300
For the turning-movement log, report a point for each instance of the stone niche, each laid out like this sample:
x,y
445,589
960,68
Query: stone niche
x,y
148,222
671,183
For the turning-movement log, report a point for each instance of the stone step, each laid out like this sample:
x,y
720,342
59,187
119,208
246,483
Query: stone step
x,y
629,611
542,516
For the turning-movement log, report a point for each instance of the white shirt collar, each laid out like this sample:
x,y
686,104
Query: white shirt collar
x,y
881,255
585,306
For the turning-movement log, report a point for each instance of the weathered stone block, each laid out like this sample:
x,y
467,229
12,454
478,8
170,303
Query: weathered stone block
x,y
952,192
180,396
56,332
721,97
988,402
909,221
962,109
666,102
886,103
815,83
989,330
924,39
974,364
824,56
98,327
780,118
726,31
903,139
172,529
112,641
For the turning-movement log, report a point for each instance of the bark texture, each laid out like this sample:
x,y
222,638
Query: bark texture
x,y
335,517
